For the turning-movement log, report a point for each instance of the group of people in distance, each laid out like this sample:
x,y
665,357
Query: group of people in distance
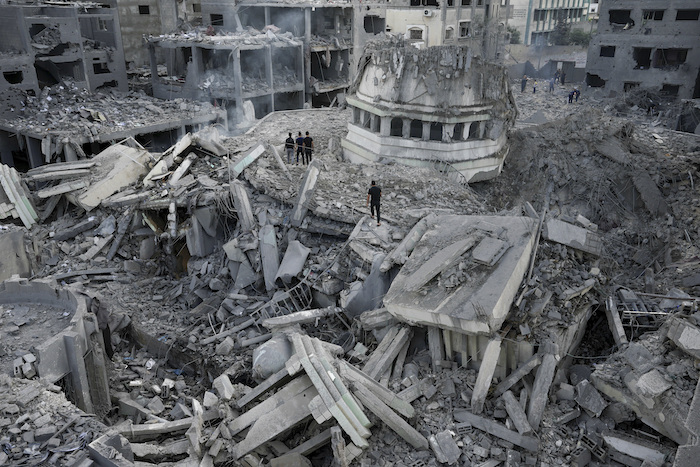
x,y
559,77
304,146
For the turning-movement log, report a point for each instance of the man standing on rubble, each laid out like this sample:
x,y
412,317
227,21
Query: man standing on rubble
x,y
308,147
289,148
373,197
300,148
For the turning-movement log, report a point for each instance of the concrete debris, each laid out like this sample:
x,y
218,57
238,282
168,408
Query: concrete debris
x,y
202,289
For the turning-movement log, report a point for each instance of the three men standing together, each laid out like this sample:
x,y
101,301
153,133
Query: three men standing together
x,y
304,146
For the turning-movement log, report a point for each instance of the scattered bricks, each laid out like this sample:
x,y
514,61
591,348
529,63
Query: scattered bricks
x,y
210,400
513,458
445,449
653,383
29,358
44,433
216,447
54,442
17,364
28,437
42,421
567,417
565,392
180,411
28,370
481,451
580,457
27,396
167,387
225,347
462,429
156,405
11,409
588,397
224,387
588,442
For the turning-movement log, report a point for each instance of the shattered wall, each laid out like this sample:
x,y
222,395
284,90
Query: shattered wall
x,y
440,106
648,45
145,17
46,44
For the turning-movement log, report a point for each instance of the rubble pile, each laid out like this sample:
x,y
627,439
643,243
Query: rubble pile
x,y
69,113
247,314
39,425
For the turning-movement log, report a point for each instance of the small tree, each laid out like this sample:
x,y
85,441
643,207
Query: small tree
x,y
560,34
579,37
514,35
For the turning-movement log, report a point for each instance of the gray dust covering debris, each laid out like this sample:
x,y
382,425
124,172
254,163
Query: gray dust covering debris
x,y
176,292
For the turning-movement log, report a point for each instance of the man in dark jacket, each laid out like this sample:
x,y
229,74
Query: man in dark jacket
x,y
373,197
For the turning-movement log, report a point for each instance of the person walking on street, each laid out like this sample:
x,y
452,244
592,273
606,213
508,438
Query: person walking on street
x,y
289,148
308,147
373,197
300,148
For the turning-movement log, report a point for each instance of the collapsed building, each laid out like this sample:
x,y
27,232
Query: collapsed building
x,y
440,107
253,59
45,43
258,315
643,44
64,124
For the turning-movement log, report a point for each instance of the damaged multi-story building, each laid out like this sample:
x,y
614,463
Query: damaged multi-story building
x,y
44,43
255,58
536,20
654,45
139,18
428,23
438,107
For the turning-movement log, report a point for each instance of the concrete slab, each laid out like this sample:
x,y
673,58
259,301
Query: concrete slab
x,y
573,236
14,258
475,303
120,166
269,255
293,261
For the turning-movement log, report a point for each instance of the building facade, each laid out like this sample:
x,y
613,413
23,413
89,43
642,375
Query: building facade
x,y
42,44
439,107
536,19
650,44
139,18
477,24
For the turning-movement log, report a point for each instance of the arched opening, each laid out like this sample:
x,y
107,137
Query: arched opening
x,y
458,133
396,127
474,130
416,129
436,131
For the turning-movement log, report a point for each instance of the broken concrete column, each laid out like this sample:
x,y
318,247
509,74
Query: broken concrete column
x,y
486,370
400,254
242,205
269,255
306,192
540,390
293,261
236,168
78,372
